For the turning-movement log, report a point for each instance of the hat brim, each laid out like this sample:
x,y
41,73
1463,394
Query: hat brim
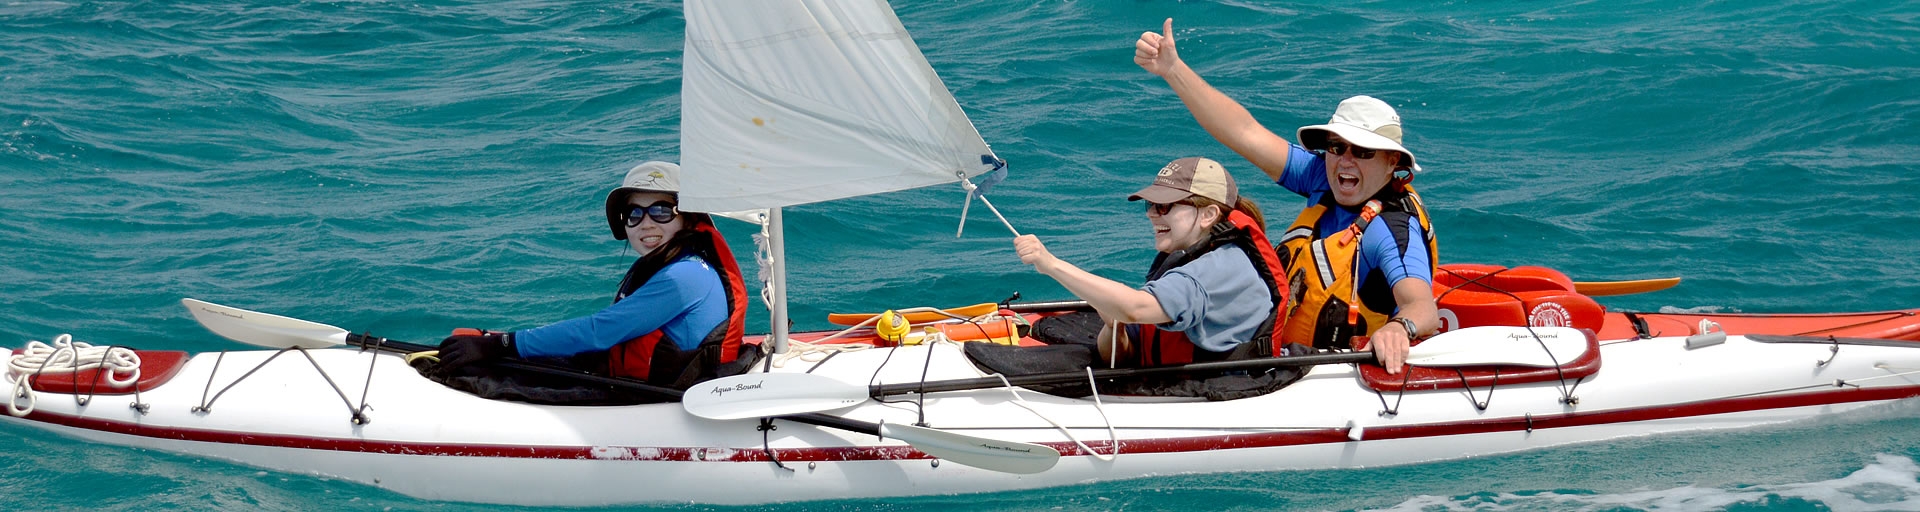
x,y
1315,138
1160,194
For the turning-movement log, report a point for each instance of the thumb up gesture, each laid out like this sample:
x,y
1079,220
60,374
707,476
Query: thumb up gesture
x,y
1154,51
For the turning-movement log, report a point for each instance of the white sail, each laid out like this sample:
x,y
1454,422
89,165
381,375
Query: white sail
x,y
787,102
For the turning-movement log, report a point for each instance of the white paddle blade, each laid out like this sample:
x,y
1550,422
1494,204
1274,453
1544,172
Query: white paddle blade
x,y
761,395
262,329
992,454
1544,347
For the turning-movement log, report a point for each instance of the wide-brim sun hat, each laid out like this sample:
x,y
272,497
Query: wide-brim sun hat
x,y
1191,176
646,177
1363,121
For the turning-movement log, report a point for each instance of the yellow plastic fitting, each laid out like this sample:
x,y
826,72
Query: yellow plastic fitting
x,y
892,327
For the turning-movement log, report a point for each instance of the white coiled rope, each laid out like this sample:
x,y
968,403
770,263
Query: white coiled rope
x,y
67,356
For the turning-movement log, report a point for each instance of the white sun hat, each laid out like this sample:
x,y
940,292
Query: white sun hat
x,y
647,177
1363,121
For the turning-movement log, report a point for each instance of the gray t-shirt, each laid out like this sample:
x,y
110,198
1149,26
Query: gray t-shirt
x,y
1218,299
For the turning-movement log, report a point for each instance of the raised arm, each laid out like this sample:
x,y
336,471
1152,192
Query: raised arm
x,y
1222,117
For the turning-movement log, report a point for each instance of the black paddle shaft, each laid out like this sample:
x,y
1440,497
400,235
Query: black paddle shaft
x,y
378,343
1049,307
882,390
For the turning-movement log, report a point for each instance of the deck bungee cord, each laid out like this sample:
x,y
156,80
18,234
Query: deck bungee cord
x,y
120,365
919,400
1113,436
1567,396
356,413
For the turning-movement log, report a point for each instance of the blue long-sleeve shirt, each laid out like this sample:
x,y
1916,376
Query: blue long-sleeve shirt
x,y
685,299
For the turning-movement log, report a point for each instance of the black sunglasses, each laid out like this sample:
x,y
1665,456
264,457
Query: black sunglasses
x,y
1339,147
1162,208
661,213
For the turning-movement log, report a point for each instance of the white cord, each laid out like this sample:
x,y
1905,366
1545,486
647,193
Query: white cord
x,y
811,353
1113,438
67,356
816,350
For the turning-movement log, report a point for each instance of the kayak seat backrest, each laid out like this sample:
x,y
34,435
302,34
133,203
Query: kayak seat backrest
x,y
1417,378
1473,309
156,368
1474,295
1478,277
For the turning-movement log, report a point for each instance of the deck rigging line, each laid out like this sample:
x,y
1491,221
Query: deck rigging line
x,y
65,356
357,414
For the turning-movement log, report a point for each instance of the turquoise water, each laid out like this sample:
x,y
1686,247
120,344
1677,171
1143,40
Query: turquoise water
x,y
408,168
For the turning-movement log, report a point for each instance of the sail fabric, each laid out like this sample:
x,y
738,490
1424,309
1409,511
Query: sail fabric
x,y
787,102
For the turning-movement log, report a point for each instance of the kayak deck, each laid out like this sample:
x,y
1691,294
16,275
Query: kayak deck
x,y
1894,325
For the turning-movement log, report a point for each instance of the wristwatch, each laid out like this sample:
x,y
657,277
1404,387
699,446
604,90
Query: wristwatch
x,y
1412,331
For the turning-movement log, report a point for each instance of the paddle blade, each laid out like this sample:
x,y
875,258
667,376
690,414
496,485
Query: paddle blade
x,y
761,395
991,454
1501,345
262,329
1610,288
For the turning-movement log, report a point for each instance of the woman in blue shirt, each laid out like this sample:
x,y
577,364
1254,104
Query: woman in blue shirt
x,y
677,317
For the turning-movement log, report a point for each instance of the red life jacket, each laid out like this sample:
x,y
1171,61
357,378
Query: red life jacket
x,y
1156,347
658,360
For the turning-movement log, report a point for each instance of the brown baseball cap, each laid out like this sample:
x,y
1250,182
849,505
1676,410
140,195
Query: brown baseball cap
x,y
1191,176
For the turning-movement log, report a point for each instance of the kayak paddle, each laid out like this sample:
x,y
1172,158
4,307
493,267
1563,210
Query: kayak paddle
x,y
755,395
916,316
275,331
1592,288
1611,288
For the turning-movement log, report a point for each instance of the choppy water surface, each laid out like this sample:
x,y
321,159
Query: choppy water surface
x,y
407,168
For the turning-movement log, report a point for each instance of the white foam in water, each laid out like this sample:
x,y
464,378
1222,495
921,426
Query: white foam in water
x,y
1890,483
1696,310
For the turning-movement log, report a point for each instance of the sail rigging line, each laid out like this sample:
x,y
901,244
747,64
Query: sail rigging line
x,y
980,191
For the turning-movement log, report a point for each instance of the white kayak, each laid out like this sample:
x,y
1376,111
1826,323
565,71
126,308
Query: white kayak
x,y
365,416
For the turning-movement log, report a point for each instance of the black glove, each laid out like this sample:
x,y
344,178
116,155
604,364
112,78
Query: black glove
x,y
470,346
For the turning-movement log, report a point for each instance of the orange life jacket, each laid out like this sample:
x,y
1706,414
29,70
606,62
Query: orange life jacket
x,y
1156,347
658,360
1328,310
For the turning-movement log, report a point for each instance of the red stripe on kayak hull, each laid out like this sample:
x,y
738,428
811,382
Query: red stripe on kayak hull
x,y
1191,444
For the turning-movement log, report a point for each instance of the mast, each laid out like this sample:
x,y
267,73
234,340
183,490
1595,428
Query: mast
x,y
777,301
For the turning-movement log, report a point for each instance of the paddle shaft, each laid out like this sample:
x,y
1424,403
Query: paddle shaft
x,y
1049,307
882,390
1596,288
823,420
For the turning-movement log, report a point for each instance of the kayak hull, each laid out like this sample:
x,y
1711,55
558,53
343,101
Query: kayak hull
x,y
421,439
571,481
